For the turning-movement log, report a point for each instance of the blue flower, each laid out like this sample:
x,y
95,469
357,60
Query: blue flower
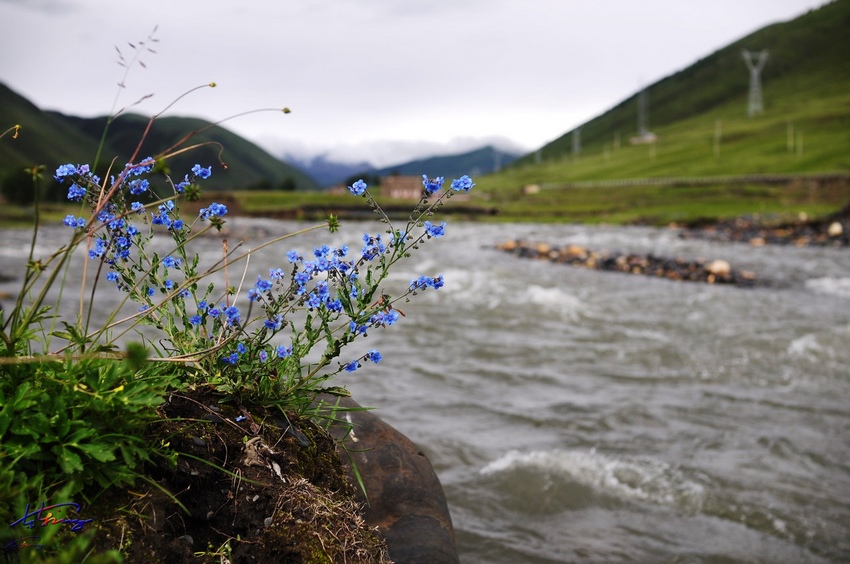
x,y
232,314
202,172
352,366
137,207
275,323
435,230
112,276
263,356
384,318
292,256
231,359
373,356
283,352
313,300
171,262
263,285
139,186
374,247
75,222
76,193
195,320
202,305
462,184
358,188
433,185
65,170
241,348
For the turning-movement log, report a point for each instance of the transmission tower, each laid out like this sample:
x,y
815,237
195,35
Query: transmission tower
x,y
642,117
577,142
755,104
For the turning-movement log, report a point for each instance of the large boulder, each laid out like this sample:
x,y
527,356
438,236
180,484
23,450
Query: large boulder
x,y
405,499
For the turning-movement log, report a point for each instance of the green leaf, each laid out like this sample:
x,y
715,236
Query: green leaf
x,y
99,452
68,461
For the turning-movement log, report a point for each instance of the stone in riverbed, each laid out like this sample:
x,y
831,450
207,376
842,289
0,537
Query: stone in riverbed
x,y
719,267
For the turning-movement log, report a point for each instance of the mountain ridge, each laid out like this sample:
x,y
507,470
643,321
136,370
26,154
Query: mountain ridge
x,y
52,138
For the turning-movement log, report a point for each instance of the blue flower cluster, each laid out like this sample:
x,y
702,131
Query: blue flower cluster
x,y
432,186
462,184
425,282
435,230
371,356
167,216
373,247
73,221
115,236
79,173
197,172
215,210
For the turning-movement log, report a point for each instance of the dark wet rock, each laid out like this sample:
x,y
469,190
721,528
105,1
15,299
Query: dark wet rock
x,y
405,499
832,231
716,271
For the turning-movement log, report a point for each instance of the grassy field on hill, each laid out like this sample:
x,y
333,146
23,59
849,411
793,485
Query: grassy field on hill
x,y
699,116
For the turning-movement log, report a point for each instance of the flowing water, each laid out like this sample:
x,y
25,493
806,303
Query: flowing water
x,y
578,415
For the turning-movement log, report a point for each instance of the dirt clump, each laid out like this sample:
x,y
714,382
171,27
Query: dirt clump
x,y
245,485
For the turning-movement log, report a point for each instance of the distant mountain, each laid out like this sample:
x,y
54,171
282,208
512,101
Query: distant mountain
x,y
51,138
326,172
474,163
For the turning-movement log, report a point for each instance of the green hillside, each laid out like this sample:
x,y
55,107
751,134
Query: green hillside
x,y
247,164
45,138
51,138
700,115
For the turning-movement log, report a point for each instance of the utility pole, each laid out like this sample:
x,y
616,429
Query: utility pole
x,y
755,105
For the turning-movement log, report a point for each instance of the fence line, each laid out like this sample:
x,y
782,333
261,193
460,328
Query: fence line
x,y
697,180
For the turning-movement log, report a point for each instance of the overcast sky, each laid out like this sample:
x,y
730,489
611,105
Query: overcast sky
x,y
378,80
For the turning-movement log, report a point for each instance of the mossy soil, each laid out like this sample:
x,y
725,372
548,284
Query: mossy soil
x,y
246,485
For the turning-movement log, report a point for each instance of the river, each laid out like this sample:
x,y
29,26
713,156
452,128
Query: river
x,y
576,415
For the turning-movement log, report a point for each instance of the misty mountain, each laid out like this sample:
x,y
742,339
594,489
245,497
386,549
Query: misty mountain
x,y
326,172
474,163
